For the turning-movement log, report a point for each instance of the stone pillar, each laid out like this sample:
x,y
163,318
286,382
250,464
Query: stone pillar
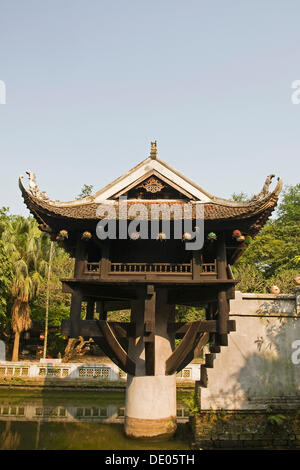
x,y
150,409
150,406
297,299
2,350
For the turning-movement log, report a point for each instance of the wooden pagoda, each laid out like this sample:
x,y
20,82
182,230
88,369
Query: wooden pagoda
x,y
150,277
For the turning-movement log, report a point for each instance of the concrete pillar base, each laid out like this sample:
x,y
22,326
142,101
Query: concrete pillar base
x,y
145,428
150,409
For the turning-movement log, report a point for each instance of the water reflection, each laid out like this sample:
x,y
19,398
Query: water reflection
x,y
73,421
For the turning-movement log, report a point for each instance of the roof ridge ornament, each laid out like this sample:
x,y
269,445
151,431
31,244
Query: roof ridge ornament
x,y
153,151
265,190
33,187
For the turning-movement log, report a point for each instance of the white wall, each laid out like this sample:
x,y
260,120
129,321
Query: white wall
x,y
261,365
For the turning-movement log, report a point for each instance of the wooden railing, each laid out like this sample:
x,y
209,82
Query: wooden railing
x,y
209,268
92,268
155,268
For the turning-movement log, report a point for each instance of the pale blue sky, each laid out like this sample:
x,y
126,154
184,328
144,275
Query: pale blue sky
x,y
91,83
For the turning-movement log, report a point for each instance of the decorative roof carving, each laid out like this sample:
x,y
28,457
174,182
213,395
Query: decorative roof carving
x,y
33,187
265,190
152,185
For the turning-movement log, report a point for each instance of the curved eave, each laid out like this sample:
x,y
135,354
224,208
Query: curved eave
x,y
253,214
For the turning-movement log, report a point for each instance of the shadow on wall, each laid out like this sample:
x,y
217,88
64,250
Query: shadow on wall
x,y
274,370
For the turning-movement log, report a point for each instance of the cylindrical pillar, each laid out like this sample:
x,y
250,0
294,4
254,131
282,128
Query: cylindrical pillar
x,y
150,406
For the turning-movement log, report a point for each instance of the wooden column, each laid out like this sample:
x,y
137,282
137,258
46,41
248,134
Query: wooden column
x,y
90,308
149,330
196,264
223,317
100,310
136,345
80,258
75,313
105,262
223,305
221,257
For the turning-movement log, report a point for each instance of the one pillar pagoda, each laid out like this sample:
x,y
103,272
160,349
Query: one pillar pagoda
x,y
134,244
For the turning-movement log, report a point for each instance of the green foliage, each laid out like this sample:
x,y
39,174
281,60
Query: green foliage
x,y
6,275
275,419
119,315
86,190
239,197
186,313
251,279
192,404
274,255
289,210
24,255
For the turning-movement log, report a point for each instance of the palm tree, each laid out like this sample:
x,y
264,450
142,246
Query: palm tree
x,y
26,247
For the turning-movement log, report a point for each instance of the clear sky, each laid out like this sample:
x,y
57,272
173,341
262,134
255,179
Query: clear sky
x,y
90,83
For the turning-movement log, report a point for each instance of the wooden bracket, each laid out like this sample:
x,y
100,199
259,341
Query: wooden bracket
x,y
114,350
184,353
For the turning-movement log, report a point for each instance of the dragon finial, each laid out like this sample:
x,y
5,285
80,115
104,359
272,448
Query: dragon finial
x,y
265,190
33,187
153,151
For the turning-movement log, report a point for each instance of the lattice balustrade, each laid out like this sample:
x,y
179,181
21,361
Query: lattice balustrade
x,y
53,372
101,372
12,371
11,410
185,373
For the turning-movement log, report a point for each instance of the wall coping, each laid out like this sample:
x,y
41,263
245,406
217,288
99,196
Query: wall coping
x,y
267,296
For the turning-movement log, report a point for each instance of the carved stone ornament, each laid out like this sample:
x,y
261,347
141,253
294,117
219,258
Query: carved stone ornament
x,y
265,190
152,185
33,187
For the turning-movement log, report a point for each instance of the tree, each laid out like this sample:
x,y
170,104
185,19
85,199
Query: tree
x,y
86,190
240,197
6,275
289,210
25,247
47,299
59,303
274,254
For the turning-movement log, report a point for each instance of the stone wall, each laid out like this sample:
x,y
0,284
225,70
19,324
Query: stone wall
x,y
260,367
246,430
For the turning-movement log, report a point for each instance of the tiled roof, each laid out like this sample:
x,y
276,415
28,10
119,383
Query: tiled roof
x,y
218,210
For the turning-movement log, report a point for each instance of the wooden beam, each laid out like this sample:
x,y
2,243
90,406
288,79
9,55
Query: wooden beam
x,y
90,328
107,293
201,341
209,326
183,352
200,293
114,348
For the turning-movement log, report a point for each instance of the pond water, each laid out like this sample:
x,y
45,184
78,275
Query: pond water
x,y
75,421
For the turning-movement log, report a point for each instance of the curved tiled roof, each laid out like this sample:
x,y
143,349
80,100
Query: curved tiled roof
x,y
45,210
